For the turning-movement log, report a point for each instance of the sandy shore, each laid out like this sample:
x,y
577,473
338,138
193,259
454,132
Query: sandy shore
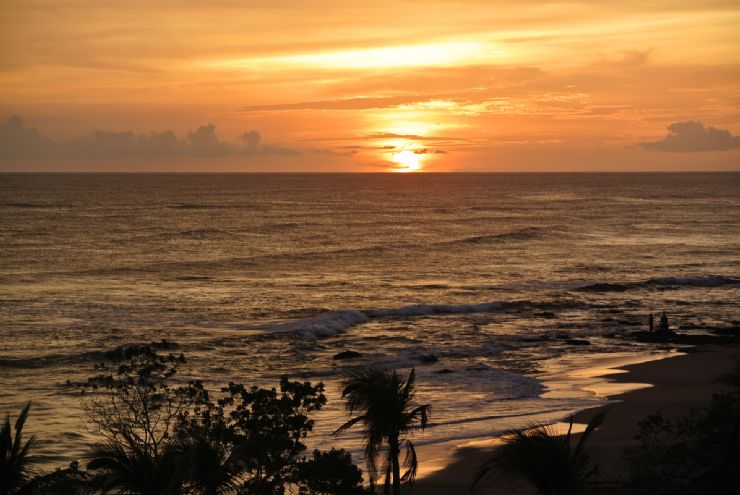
x,y
678,384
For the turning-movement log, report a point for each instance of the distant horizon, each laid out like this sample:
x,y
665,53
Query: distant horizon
x,y
496,86
308,172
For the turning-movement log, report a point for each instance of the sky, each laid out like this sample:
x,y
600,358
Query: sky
x,y
374,86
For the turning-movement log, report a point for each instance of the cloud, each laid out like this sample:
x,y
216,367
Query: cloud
x,y
253,146
359,147
426,151
412,137
19,141
629,58
359,103
204,141
688,137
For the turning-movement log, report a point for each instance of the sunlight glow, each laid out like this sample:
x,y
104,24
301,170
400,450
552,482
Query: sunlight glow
x,y
407,161
431,54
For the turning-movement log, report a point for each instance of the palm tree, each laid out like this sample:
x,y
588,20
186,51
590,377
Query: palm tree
x,y
385,403
124,470
544,458
213,468
16,462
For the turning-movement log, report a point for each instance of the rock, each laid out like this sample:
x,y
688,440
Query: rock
x,y
428,358
684,339
347,355
731,331
578,342
128,351
444,371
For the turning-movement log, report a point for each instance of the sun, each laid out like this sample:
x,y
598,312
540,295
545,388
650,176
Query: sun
x,y
407,161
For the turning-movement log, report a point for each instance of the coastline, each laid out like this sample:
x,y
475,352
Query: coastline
x,y
673,385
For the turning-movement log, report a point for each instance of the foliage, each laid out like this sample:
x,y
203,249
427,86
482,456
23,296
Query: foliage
x,y
127,469
733,377
255,435
384,400
163,440
698,453
16,461
68,481
133,405
329,473
547,460
212,466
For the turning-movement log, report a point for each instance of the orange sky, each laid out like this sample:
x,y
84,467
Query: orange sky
x,y
370,86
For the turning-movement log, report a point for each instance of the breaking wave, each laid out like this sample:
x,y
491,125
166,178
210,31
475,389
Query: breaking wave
x,y
526,234
698,281
323,326
337,322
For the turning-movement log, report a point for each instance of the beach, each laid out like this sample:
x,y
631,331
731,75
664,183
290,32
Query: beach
x,y
676,385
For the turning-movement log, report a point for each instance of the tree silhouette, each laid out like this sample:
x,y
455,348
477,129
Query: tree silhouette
x,y
127,469
544,458
384,400
16,461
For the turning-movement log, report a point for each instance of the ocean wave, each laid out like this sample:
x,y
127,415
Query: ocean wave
x,y
117,353
526,234
438,309
705,281
606,287
198,206
337,322
322,326
48,360
697,281
36,205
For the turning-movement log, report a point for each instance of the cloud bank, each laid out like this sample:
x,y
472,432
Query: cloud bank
x,y
19,141
688,137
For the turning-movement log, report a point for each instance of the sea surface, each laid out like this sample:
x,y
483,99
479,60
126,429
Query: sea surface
x,y
477,280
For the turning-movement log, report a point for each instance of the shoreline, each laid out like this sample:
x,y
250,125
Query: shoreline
x,y
674,384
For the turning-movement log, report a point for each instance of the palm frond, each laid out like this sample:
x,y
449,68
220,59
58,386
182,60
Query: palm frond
x,y
538,454
16,460
349,424
421,413
384,399
410,464
595,422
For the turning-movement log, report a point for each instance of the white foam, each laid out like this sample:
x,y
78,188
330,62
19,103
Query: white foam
x,y
337,322
325,325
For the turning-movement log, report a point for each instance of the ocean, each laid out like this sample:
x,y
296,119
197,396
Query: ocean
x,y
478,281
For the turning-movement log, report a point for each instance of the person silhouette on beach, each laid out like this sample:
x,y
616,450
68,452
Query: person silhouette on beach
x,y
651,323
663,324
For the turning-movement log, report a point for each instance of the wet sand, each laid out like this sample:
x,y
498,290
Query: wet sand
x,y
672,386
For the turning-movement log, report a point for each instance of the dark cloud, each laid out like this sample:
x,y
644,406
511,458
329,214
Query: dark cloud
x,y
253,146
358,147
251,140
19,141
204,141
427,151
687,137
